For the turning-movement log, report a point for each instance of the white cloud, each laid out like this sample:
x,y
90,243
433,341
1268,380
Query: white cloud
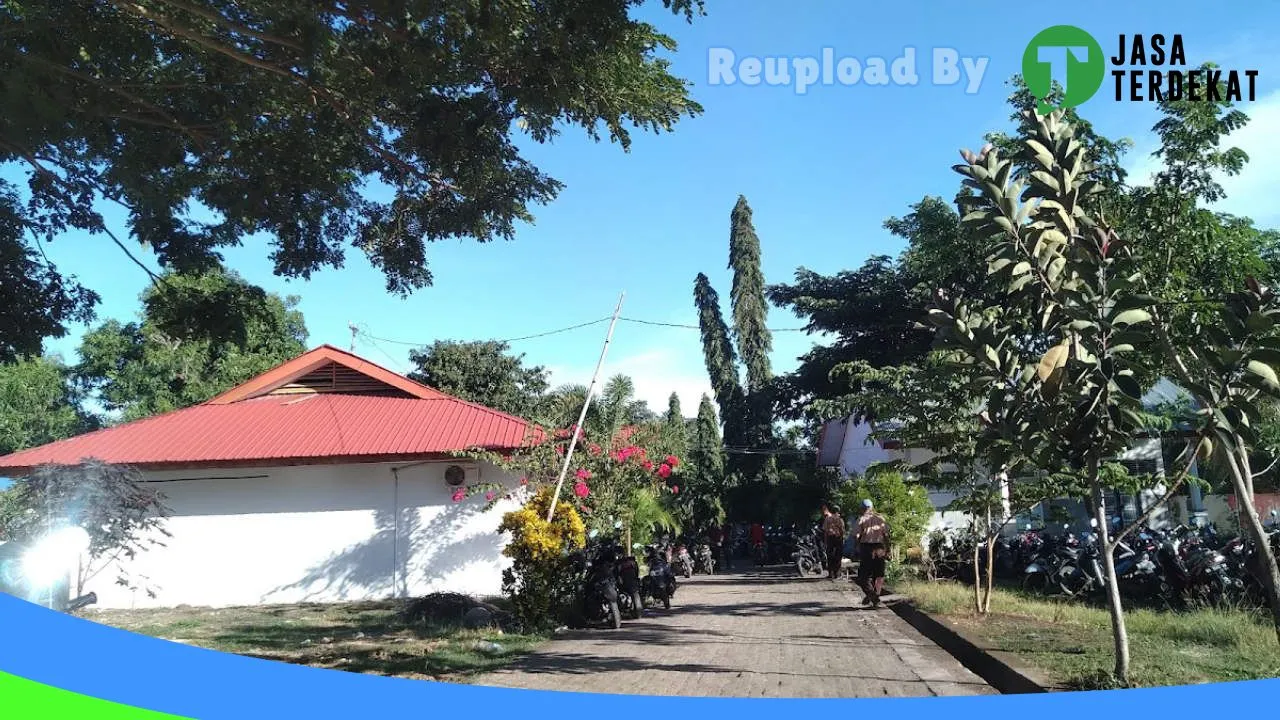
x,y
1249,193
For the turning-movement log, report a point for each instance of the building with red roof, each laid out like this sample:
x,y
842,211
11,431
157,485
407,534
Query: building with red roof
x,y
325,479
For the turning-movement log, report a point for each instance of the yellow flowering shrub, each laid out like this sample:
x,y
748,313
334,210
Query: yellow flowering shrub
x,y
540,579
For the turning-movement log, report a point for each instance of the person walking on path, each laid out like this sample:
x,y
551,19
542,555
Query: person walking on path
x,y
833,535
872,535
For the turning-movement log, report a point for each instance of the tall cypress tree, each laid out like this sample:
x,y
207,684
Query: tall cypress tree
x,y
717,346
750,309
675,428
705,482
747,411
706,450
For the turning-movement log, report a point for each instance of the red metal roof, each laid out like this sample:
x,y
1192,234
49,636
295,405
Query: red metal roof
x,y
248,426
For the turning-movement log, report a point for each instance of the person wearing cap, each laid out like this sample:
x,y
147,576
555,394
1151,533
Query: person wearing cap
x,y
872,536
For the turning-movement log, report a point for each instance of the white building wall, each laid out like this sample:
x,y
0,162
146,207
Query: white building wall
x,y
859,451
323,533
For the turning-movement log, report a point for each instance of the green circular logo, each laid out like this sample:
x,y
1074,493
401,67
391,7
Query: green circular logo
x,y
1065,56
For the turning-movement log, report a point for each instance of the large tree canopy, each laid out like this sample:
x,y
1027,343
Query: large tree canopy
x,y
277,114
483,372
38,405
161,364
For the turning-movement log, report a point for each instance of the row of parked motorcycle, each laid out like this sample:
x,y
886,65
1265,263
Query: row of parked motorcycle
x,y
1175,566
614,587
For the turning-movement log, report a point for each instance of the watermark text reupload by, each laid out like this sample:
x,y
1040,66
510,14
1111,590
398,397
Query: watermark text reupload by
x,y
946,66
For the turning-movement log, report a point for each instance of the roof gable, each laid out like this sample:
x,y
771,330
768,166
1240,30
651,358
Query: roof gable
x,y
328,370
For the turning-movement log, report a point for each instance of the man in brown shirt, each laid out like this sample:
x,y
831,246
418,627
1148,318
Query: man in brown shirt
x,y
872,534
833,536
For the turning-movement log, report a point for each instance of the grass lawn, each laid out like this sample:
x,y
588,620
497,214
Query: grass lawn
x,y
1071,642
371,637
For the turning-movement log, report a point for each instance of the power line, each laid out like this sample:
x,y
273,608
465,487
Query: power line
x,y
408,343
696,327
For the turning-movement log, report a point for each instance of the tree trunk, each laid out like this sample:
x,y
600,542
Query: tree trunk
x,y
991,566
1119,633
1240,470
977,576
991,574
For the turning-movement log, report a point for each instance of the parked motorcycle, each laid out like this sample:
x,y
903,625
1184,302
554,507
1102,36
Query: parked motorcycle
x,y
660,583
629,597
600,582
681,562
808,556
704,561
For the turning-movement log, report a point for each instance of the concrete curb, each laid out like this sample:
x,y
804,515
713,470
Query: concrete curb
x,y
994,667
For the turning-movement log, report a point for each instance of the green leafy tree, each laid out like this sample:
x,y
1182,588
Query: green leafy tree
x,y
164,362
1230,368
36,301
483,372
38,405
1058,354
159,104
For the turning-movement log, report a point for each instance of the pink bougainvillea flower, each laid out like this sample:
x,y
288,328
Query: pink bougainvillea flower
x,y
675,489
595,449
648,465
459,495
524,481
581,490
489,496
673,461
583,474
664,471
562,433
559,450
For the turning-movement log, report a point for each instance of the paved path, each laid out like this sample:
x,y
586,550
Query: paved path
x,y
753,634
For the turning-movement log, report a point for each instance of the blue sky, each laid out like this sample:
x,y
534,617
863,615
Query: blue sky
x,y
822,171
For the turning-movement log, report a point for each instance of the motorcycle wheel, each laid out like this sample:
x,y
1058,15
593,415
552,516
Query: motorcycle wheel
x,y
1036,582
615,615
637,606
1072,581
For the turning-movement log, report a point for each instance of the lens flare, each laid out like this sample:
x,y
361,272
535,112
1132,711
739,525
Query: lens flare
x,y
50,559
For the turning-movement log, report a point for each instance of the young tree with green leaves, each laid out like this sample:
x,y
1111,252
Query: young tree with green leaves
x,y
934,405
121,515
1058,353
156,105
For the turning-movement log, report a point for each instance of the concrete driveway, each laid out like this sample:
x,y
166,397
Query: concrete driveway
x,y
759,633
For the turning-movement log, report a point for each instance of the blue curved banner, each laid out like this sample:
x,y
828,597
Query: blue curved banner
x,y
59,651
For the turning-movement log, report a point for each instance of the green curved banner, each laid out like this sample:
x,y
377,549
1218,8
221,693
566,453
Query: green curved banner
x,y
23,699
